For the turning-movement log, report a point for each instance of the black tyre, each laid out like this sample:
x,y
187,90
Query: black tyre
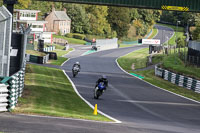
x,y
74,74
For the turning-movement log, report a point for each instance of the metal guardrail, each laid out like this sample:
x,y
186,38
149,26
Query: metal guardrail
x,y
180,80
3,97
11,89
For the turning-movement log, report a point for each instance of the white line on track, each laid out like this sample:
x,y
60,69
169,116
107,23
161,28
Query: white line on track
x,y
62,118
116,121
73,85
152,84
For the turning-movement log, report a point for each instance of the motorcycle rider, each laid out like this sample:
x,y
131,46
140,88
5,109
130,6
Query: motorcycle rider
x,y
104,80
77,64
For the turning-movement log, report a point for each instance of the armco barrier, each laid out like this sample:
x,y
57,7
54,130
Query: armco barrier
x,y
16,85
3,97
11,89
179,80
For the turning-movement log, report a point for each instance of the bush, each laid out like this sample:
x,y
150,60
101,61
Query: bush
x,y
69,35
79,36
75,35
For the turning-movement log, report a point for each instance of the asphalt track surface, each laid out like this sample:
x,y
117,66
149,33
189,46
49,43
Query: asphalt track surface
x,y
141,107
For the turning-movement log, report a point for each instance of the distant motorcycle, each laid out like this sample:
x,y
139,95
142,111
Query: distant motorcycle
x,y
75,71
99,89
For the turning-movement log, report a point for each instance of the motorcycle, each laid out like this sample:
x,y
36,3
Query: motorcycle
x,y
75,71
99,89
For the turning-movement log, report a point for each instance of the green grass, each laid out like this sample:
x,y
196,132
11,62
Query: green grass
x,y
173,63
57,46
126,45
71,40
36,53
154,33
138,57
178,32
48,92
60,59
58,62
157,81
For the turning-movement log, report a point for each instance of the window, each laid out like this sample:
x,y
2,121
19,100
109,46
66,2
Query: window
x,y
37,26
21,14
33,15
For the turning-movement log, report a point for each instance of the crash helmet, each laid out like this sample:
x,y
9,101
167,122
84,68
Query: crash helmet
x,y
77,63
103,77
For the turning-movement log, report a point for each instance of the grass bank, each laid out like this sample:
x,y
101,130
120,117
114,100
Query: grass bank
x,y
71,40
139,58
60,59
60,52
48,92
154,33
36,53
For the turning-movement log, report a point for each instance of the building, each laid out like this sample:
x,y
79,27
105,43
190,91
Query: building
x,y
29,17
58,21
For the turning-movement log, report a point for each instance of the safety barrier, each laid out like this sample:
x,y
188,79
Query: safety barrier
x,y
11,89
37,59
16,85
104,44
49,49
3,97
179,80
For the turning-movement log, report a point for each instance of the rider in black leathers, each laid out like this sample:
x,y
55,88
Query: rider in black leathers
x,y
104,80
78,65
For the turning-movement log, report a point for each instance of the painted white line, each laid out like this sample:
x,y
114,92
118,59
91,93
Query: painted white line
x,y
109,49
65,61
123,69
152,84
100,112
69,52
62,118
156,33
161,103
169,28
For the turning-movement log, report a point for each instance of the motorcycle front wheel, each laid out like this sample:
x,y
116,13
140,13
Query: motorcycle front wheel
x,y
97,93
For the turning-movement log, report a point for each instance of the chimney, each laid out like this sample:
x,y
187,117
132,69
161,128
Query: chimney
x,y
53,8
65,10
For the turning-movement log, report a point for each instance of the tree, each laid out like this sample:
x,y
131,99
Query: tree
x,y
180,42
119,19
97,19
23,4
79,18
44,7
196,32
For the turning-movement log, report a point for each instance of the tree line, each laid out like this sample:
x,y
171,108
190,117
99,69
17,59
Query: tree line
x,y
110,21
98,20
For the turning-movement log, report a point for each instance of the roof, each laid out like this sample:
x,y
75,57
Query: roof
x,y
61,15
31,21
21,10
